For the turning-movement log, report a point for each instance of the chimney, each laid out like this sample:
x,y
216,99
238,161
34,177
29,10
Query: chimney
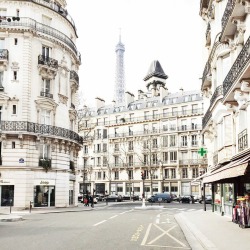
x,y
182,90
129,97
99,103
140,94
113,102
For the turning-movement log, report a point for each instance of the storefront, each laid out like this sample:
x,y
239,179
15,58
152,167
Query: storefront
x,y
6,193
44,193
229,182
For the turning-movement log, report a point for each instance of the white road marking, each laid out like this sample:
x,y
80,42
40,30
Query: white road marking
x,y
171,247
113,217
99,223
192,209
166,232
157,221
146,235
127,211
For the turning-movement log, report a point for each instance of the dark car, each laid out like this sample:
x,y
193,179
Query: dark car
x,y
162,197
113,197
188,199
208,199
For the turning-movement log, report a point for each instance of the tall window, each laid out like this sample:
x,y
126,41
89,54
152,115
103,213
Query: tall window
x,y
195,173
164,141
116,175
116,158
130,160
184,141
173,173
145,159
183,125
172,140
184,110
194,140
145,128
130,130
184,173
130,145
45,117
45,86
44,151
154,158
173,156
146,115
195,108
154,143
130,174
166,173
165,157
46,52
194,123
155,114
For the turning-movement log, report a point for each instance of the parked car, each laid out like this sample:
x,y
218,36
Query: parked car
x,y
114,197
187,199
208,199
99,197
161,197
126,197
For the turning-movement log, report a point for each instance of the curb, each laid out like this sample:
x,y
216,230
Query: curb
x,y
195,238
11,219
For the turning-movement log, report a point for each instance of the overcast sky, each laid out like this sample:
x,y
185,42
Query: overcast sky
x,y
165,30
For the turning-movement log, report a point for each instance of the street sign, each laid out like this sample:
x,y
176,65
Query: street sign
x,y
202,151
21,160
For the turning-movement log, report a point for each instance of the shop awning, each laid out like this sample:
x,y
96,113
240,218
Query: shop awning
x,y
198,180
230,170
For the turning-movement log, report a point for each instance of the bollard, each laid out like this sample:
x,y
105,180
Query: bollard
x,y
30,206
10,205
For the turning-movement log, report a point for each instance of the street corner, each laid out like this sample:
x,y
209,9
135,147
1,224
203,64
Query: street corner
x,y
10,218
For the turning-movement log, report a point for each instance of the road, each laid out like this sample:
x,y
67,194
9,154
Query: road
x,y
117,226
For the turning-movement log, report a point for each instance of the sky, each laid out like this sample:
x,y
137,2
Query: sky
x,y
165,30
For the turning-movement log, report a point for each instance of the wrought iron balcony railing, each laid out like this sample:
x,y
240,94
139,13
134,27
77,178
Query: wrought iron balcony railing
x,y
227,13
31,127
218,91
242,140
74,76
240,62
4,55
54,6
26,23
206,118
50,62
46,94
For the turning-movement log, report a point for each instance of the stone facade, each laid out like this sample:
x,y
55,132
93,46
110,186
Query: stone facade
x,y
156,134
38,91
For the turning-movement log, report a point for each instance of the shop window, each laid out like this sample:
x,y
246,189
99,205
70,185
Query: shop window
x,y
13,144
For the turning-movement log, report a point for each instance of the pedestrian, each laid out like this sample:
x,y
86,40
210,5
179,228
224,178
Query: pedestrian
x,y
87,200
91,200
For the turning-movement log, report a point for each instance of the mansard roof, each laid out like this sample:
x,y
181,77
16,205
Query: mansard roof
x,y
155,69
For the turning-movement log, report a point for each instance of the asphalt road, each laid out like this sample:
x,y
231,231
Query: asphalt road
x,y
117,226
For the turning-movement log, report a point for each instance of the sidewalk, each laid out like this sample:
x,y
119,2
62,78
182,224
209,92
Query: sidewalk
x,y
208,230
16,215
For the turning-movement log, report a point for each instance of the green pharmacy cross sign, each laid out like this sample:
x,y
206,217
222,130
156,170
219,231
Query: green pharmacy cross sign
x,y
202,151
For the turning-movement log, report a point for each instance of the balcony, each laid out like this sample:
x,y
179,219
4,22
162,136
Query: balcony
x,y
4,58
236,72
206,118
234,11
41,129
45,163
46,94
208,35
74,80
242,140
206,76
32,25
47,66
53,6
202,161
218,92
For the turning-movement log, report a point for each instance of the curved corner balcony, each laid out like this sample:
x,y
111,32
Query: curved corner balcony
x,y
40,129
29,24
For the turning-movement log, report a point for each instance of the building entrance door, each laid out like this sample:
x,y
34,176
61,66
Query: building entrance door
x,y
44,196
7,195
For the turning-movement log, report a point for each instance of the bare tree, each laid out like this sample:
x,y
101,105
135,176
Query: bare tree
x,y
148,154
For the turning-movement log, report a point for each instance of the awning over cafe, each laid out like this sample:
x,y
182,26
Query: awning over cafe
x,y
233,169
